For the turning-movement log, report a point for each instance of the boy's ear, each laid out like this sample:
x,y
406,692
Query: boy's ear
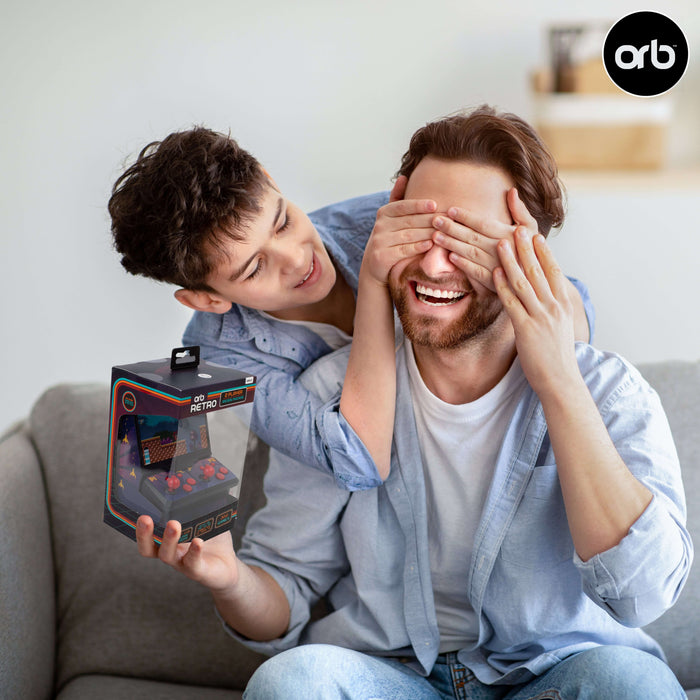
x,y
200,300
270,178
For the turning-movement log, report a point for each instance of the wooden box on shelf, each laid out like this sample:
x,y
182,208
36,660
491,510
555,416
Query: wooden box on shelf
x,y
594,125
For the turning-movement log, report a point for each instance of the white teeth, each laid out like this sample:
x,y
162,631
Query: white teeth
x,y
311,271
438,293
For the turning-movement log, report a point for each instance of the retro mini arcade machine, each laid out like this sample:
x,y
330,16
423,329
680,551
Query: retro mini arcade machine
x,y
161,461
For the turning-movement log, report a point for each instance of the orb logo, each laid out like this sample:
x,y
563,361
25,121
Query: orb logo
x,y
645,54
638,54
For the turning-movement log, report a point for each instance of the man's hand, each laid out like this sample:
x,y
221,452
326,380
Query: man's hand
x,y
603,498
474,244
212,563
247,597
403,229
534,293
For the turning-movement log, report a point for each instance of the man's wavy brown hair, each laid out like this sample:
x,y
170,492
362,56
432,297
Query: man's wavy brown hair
x,y
501,140
182,197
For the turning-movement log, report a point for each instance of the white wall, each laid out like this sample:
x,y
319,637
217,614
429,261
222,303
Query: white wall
x,y
326,95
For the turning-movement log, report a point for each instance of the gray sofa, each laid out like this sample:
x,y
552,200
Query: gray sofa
x,y
82,615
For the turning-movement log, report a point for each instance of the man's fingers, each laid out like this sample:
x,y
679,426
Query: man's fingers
x,y
554,274
531,264
144,537
517,279
168,548
513,306
193,559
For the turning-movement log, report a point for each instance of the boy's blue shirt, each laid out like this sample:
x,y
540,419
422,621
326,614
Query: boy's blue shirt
x,y
284,413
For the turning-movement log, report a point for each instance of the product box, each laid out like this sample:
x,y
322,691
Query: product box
x,y
161,461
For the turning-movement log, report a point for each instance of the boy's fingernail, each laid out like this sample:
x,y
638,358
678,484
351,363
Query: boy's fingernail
x,y
452,212
439,221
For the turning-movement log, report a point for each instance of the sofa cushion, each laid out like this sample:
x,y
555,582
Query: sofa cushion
x,y
118,614
678,385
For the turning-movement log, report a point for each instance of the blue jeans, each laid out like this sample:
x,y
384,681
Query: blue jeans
x,y
325,672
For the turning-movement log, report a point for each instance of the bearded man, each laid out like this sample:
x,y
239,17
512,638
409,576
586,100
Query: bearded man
x,y
533,519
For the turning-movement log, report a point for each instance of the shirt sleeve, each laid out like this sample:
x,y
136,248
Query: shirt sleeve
x,y
302,426
642,576
287,415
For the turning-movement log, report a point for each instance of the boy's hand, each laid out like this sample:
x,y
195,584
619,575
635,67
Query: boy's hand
x,y
473,239
212,563
403,229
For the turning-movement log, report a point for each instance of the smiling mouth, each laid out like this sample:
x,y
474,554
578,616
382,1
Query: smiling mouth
x,y
438,297
308,274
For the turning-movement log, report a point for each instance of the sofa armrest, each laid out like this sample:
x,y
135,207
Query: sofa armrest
x,y
118,614
678,384
27,591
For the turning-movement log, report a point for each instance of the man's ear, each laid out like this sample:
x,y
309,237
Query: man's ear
x,y
399,189
200,300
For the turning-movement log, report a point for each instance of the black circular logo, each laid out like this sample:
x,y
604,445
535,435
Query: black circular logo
x,y
645,54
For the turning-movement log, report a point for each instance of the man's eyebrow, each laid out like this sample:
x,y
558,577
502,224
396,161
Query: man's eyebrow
x,y
242,268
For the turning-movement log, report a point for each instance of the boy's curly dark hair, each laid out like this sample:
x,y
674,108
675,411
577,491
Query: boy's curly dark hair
x,y
501,140
178,202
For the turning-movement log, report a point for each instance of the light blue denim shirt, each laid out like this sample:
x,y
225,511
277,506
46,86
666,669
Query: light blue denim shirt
x,y
536,600
285,414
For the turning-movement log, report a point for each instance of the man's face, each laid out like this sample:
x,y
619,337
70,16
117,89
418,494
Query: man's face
x,y
281,263
439,306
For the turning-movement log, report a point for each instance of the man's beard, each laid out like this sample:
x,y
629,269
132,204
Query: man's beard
x,y
428,331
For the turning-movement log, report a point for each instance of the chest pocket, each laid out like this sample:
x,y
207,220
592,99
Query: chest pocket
x,y
538,537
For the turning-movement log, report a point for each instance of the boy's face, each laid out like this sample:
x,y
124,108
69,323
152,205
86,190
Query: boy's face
x,y
281,263
430,317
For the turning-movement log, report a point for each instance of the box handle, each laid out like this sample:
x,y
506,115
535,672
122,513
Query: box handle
x,y
184,358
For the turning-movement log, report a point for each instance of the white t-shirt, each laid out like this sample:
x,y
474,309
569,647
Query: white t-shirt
x,y
459,445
